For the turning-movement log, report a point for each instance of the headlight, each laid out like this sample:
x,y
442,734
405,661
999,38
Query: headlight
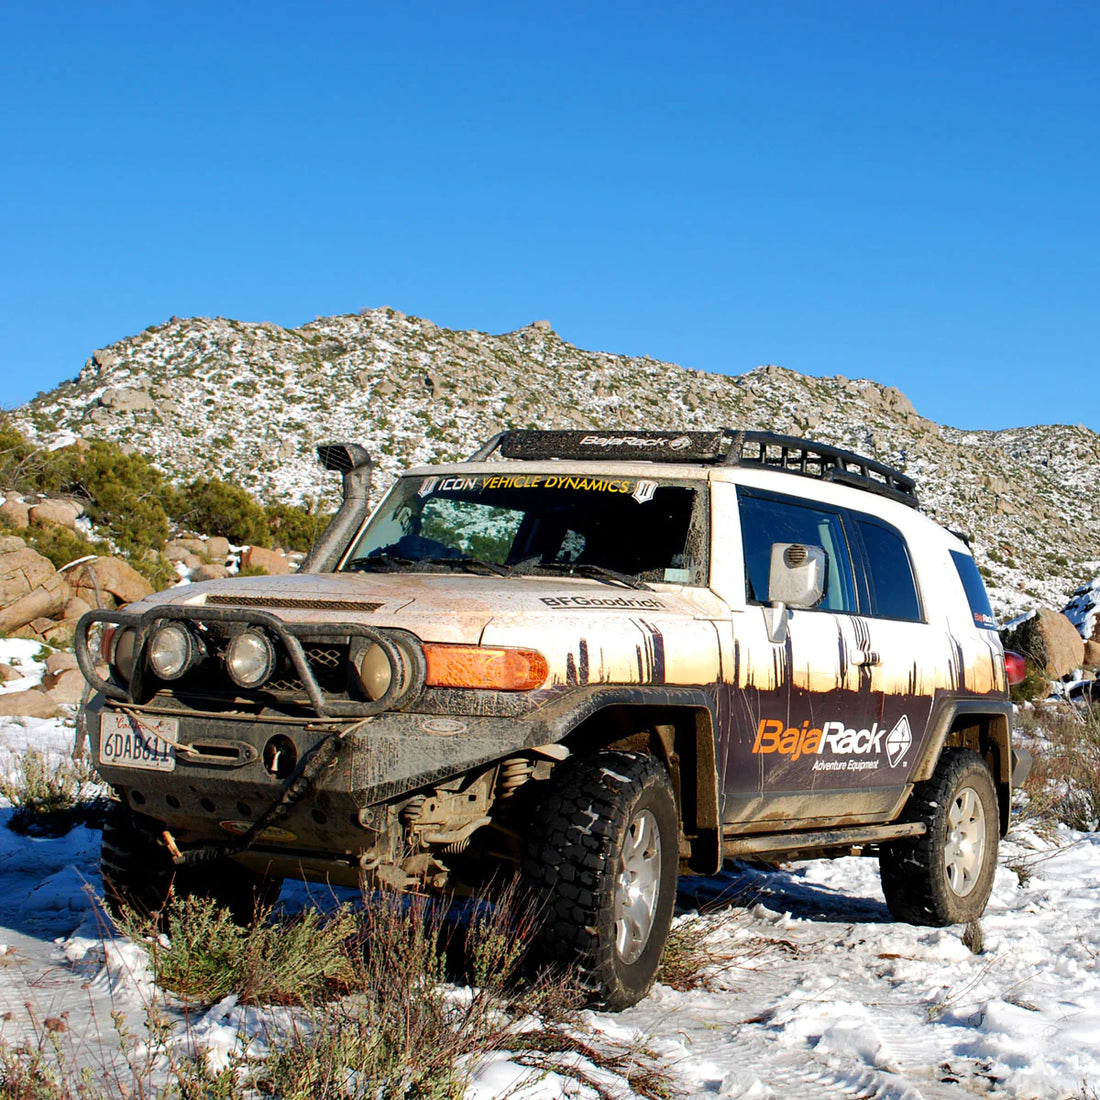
x,y
375,672
250,658
172,650
117,648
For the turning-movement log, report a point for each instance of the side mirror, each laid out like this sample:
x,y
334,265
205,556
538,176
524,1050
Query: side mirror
x,y
796,579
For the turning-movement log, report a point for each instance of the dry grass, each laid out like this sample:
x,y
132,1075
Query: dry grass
x,y
1064,783
49,797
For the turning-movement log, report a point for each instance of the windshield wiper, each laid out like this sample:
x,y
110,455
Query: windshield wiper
x,y
379,563
392,563
588,569
470,565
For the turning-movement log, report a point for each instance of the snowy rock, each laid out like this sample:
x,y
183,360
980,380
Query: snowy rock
x,y
124,399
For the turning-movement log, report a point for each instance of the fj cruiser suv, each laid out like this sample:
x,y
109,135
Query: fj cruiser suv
x,y
598,660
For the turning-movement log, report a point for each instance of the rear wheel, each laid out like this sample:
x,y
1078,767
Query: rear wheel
x,y
140,877
603,866
946,875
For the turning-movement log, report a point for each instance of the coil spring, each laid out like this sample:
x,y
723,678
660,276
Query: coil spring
x,y
513,774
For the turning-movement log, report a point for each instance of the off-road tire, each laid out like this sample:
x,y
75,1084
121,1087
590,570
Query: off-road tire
x,y
140,877
946,875
599,811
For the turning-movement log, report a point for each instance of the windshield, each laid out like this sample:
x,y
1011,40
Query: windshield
x,y
626,529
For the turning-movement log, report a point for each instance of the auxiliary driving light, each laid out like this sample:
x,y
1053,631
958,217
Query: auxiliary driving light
x,y
250,658
171,651
375,672
118,648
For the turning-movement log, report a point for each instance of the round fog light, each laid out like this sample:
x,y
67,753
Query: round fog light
x,y
171,651
120,651
250,658
375,672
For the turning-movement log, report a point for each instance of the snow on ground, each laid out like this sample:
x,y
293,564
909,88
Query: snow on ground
x,y
814,992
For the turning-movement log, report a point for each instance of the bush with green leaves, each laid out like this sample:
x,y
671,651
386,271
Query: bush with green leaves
x,y
295,528
215,507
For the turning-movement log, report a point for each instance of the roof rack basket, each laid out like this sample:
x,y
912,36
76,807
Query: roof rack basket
x,y
722,447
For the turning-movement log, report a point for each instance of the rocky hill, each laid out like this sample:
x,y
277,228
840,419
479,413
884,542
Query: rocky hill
x,y
249,401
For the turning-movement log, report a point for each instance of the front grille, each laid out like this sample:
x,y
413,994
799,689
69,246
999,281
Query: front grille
x,y
328,663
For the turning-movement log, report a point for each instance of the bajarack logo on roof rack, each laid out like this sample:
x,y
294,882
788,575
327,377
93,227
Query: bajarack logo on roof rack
x,y
672,442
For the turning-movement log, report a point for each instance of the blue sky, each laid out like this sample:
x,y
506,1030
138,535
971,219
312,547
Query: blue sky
x,y
896,190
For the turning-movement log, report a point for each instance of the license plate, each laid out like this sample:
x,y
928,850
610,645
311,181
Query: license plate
x,y
133,743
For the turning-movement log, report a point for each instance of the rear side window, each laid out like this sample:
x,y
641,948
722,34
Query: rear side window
x,y
765,520
975,590
893,590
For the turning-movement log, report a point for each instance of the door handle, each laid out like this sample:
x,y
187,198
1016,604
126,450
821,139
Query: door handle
x,y
866,657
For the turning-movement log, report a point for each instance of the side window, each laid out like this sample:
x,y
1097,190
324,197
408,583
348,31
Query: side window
x,y
765,520
889,572
975,590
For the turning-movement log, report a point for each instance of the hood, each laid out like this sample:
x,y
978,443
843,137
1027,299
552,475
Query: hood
x,y
442,607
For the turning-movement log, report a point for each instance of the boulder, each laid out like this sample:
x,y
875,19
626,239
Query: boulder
x,y
105,358
28,704
94,598
110,575
59,513
1048,639
60,634
175,549
270,561
21,571
15,512
126,399
217,548
210,572
42,602
66,686
76,607
11,543
1092,655
8,673
57,663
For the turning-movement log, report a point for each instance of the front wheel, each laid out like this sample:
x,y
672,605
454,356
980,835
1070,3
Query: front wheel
x,y
603,866
946,875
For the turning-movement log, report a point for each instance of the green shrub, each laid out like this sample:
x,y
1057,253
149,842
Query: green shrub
x,y
295,528
277,960
62,544
214,507
1035,684
124,496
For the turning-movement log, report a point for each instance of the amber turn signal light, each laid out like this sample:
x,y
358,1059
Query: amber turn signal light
x,y
487,667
